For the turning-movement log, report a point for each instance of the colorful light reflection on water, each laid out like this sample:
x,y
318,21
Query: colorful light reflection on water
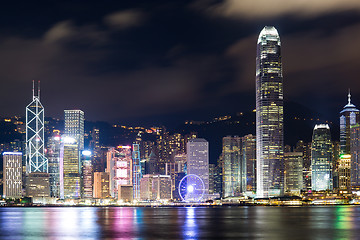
x,y
336,222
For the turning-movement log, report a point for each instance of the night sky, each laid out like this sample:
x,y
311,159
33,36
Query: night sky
x,y
152,62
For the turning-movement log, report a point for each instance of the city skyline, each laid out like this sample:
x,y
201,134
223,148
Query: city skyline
x,y
192,63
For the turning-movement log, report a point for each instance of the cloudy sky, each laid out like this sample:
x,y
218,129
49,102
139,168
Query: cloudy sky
x,y
165,61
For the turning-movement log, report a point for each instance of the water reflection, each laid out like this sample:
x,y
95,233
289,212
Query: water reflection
x,y
190,226
336,222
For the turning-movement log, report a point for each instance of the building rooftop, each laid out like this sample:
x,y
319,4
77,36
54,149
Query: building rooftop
x,y
269,33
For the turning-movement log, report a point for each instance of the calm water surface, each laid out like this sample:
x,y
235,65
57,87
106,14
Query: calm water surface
x,y
336,222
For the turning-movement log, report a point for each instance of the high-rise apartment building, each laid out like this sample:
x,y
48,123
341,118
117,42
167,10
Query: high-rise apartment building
x,y
12,174
321,158
74,126
269,115
35,158
198,160
293,172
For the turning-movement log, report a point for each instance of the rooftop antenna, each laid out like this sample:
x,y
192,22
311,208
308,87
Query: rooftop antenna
x,y
33,90
349,97
38,89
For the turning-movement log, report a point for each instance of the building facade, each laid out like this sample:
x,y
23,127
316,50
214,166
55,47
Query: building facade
x,y
74,126
136,171
87,174
293,172
53,156
70,171
355,155
233,166
198,160
101,185
269,115
12,174
249,158
119,167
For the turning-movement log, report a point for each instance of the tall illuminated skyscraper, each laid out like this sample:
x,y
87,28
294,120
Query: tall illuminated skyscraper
x,y
269,115
35,158
321,158
74,126
349,116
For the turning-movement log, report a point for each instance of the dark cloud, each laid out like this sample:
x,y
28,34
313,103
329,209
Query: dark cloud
x,y
318,66
125,19
260,9
166,59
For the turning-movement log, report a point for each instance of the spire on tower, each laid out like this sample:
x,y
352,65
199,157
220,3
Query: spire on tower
x,y
349,97
33,90
38,89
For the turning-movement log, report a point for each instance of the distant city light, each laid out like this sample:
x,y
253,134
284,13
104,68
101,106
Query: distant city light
x,y
86,153
12,153
127,147
57,138
68,139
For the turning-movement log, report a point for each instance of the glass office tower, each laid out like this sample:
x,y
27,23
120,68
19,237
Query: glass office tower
x,y
269,115
321,158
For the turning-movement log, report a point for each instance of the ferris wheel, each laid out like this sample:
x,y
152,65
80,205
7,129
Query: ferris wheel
x,y
191,188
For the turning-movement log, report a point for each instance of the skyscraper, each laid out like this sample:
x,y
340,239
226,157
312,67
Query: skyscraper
x,y
198,160
53,156
87,174
74,126
136,171
232,166
249,159
35,158
269,115
349,116
321,158
70,177
119,167
355,155
293,172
